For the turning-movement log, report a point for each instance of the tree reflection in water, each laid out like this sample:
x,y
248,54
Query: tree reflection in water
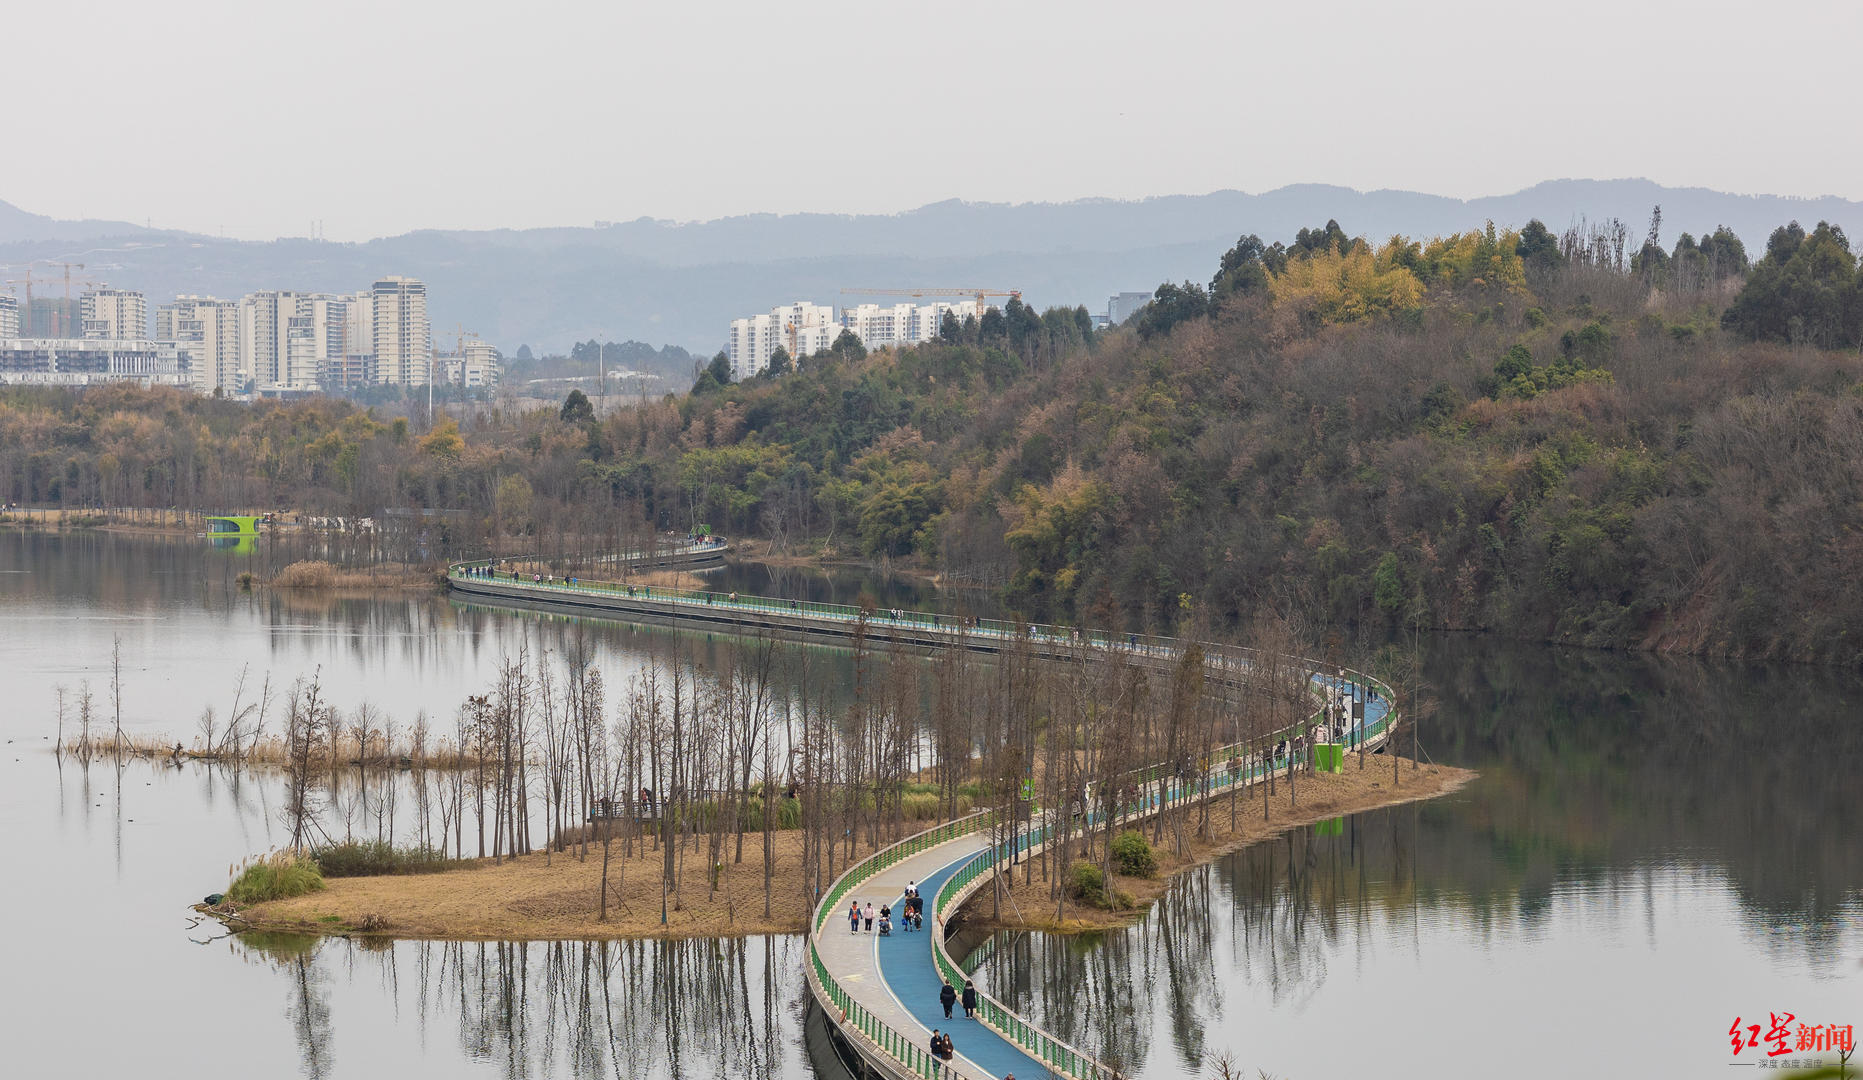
x,y
1618,796
1107,992
622,1009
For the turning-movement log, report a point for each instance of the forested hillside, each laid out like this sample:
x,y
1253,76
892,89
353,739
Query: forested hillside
x,y
1569,437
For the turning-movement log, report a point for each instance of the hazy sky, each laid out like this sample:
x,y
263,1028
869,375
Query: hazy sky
x,y
255,118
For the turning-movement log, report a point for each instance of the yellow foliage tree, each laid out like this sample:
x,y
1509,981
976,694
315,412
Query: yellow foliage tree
x,y
1478,257
444,440
1342,287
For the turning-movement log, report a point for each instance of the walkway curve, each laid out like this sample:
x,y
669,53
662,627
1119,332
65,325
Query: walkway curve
x,y
881,992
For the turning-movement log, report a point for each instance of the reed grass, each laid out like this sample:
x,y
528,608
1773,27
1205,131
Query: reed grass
x,y
276,876
373,858
271,750
318,574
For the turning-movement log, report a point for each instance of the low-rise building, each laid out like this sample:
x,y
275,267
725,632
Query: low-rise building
x,y
475,366
92,361
350,371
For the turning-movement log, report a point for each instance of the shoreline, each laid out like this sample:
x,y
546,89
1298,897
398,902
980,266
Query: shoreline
x,y
1322,797
554,898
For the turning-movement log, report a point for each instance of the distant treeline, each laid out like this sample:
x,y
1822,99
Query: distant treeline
x,y
1565,436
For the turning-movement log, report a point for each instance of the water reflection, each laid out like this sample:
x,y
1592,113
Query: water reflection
x,y
649,1009
1654,847
1652,838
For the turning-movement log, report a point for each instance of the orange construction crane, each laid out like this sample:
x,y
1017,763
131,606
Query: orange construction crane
x,y
65,312
979,295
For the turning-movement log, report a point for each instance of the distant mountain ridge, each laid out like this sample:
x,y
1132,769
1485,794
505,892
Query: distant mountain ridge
x,y
681,283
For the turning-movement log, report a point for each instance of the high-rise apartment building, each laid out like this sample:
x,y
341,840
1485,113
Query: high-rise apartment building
x,y
274,341
928,319
264,322
114,315
876,324
9,317
288,340
800,329
1122,306
316,337
362,326
207,329
402,340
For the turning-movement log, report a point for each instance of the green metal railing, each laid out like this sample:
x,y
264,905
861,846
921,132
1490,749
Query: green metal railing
x,y
896,1045
877,618
1060,1057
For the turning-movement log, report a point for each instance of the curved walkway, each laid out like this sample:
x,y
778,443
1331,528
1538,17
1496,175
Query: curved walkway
x,y
895,977
882,992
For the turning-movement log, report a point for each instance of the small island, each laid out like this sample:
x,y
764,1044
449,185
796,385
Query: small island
x,y
555,895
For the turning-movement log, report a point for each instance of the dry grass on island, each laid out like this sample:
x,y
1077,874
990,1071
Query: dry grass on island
x,y
1321,796
540,897
556,896
318,574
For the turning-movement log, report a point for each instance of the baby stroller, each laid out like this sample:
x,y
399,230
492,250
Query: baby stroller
x,y
886,926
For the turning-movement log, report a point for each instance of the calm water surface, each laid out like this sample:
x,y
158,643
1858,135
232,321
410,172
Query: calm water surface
x,y
1653,848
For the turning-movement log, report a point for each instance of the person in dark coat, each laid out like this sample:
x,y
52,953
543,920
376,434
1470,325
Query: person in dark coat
x,y
970,1000
937,1051
950,1048
947,997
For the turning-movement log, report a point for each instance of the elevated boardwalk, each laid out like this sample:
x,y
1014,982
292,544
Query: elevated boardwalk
x,y
881,993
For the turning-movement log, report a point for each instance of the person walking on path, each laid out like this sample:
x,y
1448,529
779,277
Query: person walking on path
x,y
970,1000
869,916
947,997
937,1051
950,1048
853,917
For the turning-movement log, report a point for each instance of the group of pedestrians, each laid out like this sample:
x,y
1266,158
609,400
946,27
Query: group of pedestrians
x,y
912,908
911,914
942,1049
860,920
949,997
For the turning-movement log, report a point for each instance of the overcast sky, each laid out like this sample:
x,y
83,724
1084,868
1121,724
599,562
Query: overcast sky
x,y
256,118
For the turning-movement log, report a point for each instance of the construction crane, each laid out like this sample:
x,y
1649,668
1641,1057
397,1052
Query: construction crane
x,y
65,312
979,295
25,314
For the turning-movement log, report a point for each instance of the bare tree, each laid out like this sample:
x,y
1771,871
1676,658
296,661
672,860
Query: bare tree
x,y
307,725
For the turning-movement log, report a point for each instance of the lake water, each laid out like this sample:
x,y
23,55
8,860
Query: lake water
x,y
1653,849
